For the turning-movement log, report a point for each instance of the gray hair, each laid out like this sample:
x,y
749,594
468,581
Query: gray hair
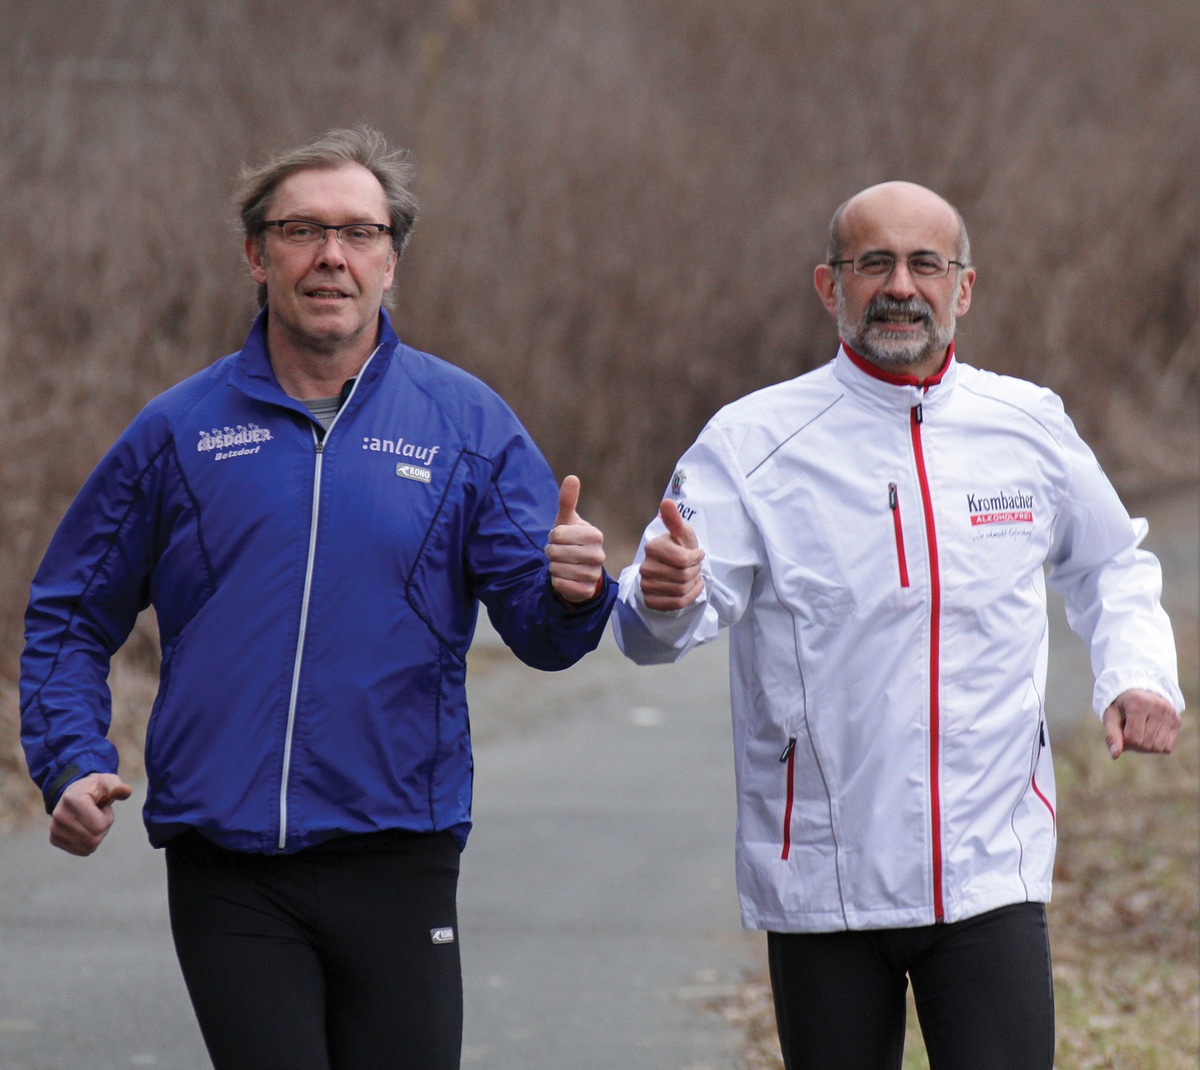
x,y
393,168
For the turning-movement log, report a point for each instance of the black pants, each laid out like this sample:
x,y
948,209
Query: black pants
x,y
982,989
341,957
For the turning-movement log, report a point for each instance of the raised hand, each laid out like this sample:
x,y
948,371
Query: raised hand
x,y
670,574
575,549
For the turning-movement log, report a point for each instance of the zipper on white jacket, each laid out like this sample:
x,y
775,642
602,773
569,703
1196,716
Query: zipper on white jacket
x,y
313,519
789,756
894,506
935,611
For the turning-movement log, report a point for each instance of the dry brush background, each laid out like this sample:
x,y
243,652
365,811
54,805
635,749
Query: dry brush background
x,y
622,201
622,204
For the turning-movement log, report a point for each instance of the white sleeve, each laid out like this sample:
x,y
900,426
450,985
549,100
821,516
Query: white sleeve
x,y
711,494
1111,586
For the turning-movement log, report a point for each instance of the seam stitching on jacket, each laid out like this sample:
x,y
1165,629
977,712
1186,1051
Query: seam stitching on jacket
x,y
136,494
208,565
417,557
789,438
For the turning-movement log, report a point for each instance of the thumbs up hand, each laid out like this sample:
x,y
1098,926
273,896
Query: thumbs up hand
x,y
670,572
575,550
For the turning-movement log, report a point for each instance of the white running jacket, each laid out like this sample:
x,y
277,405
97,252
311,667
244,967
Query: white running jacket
x,y
876,546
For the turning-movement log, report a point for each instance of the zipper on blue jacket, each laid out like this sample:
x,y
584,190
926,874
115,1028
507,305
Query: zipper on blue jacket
x,y
314,516
313,519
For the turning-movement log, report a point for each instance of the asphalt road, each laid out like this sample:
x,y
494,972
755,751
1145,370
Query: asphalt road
x,y
597,908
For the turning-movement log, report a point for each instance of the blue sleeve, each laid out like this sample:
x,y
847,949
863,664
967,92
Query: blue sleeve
x,y
507,563
84,601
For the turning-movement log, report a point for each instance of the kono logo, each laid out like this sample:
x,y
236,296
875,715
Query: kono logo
x,y
412,471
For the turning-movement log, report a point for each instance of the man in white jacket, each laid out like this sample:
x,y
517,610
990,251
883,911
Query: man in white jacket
x,y
877,535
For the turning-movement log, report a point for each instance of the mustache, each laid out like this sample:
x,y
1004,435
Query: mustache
x,y
883,306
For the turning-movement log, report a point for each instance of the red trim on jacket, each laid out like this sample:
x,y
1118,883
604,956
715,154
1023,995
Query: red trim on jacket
x,y
882,374
1038,792
935,613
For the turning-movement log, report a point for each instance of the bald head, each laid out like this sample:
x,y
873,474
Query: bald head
x,y
901,204
898,276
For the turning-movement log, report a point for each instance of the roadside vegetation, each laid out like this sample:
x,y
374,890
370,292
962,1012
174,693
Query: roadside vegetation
x,y
621,207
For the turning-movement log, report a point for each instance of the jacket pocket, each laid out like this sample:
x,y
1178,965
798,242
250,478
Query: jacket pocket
x,y
1041,747
788,758
898,527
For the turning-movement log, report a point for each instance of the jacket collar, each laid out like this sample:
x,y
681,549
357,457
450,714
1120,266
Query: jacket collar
x,y
890,390
254,376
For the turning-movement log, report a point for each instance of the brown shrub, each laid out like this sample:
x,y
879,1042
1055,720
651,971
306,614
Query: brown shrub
x,y
622,204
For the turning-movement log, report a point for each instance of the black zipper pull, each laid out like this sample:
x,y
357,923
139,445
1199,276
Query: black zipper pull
x,y
918,415
787,751
893,497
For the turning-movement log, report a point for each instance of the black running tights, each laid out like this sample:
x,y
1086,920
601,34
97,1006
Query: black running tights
x,y
340,957
982,989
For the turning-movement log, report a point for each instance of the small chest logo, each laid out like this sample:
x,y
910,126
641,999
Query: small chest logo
x,y
243,440
677,482
1011,508
1003,515
411,471
444,935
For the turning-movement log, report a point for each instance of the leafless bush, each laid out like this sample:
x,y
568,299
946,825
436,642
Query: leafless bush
x,y
622,204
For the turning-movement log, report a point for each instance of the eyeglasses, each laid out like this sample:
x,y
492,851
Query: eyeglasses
x,y
361,236
881,265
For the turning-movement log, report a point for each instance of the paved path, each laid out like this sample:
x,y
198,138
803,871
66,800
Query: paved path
x,y
597,905
598,900
597,909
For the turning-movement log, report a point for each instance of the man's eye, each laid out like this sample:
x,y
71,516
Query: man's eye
x,y
874,265
926,265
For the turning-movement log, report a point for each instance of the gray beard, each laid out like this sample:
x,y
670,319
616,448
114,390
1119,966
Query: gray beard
x,y
896,353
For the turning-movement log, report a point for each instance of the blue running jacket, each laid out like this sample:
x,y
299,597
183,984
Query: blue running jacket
x,y
315,599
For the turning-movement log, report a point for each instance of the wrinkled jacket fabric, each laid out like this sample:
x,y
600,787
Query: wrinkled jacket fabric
x,y
315,599
876,546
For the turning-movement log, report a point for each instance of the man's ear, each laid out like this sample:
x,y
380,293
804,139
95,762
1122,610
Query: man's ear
x,y
962,300
256,259
825,280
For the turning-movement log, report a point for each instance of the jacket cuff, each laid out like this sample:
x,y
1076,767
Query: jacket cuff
x,y
603,588
1112,684
54,789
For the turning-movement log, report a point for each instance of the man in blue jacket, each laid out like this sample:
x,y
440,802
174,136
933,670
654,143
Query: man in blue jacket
x,y
315,519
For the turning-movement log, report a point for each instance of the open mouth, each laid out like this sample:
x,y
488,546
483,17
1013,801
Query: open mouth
x,y
897,317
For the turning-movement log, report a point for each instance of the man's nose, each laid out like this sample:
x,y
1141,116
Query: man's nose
x,y
331,250
900,283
